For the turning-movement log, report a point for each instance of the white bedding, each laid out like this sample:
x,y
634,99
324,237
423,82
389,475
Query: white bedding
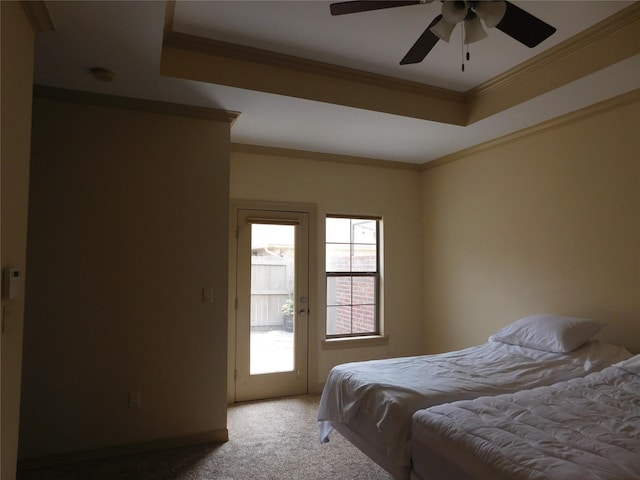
x,y
386,393
583,429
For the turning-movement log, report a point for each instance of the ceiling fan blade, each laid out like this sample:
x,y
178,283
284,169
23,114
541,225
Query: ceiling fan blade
x,y
423,45
524,27
357,6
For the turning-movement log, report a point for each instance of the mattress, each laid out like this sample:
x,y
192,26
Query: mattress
x,y
376,399
582,429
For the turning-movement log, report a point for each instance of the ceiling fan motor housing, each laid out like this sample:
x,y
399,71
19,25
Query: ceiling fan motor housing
x,y
502,14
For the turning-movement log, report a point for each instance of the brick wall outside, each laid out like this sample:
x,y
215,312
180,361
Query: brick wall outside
x,y
357,294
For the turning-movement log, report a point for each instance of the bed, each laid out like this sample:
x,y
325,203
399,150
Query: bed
x,y
582,429
371,403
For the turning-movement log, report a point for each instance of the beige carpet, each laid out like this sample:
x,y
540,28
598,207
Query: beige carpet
x,y
272,440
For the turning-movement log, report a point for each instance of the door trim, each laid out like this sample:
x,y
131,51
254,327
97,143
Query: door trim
x,y
312,334
293,379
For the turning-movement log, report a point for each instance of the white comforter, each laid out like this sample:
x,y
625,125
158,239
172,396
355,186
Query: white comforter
x,y
390,391
583,429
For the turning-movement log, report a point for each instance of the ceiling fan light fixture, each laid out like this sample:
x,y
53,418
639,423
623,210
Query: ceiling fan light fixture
x,y
454,11
491,12
443,29
473,31
512,20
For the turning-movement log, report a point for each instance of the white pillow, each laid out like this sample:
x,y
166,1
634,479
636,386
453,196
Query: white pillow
x,y
631,365
551,333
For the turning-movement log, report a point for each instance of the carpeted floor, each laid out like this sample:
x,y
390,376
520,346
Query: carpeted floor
x,y
271,440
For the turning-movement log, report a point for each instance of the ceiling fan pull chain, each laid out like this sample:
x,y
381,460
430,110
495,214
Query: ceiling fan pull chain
x,y
462,43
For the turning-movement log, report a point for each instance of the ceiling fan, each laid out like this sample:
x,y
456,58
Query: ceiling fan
x,y
504,15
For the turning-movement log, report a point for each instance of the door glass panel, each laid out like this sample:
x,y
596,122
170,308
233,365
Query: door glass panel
x,y
272,298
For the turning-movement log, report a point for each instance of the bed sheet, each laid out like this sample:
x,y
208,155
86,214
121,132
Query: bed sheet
x,y
582,429
387,392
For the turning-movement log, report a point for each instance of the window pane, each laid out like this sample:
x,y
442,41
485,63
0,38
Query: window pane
x,y
339,291
364,231
338,258
364,258
338,230
364,291
338,320
352,253
364,319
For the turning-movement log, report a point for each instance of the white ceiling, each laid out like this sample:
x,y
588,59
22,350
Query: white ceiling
x,y
126,37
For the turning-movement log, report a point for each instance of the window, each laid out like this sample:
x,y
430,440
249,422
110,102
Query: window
x,y
353,276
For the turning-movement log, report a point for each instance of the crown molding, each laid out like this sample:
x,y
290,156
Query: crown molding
x,y
76,96
222,63
38,15
574,45
290,62
595,109
321,157
610,104
203,59
604,44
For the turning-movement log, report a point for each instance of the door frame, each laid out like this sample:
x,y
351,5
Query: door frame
x,y
312,331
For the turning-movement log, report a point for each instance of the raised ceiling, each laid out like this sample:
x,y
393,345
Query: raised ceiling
x,y
304,80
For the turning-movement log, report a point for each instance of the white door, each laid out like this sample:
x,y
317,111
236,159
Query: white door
x,y
272,298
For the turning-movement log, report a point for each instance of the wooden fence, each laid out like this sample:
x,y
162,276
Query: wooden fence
x,y
272,284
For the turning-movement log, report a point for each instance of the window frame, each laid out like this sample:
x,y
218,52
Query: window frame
x,y
376,275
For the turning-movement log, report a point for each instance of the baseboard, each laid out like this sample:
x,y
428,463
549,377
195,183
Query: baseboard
x,y
211,436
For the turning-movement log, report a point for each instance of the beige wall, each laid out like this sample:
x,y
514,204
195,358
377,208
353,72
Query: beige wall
x,y
16,78
549,222
128,222
393,194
